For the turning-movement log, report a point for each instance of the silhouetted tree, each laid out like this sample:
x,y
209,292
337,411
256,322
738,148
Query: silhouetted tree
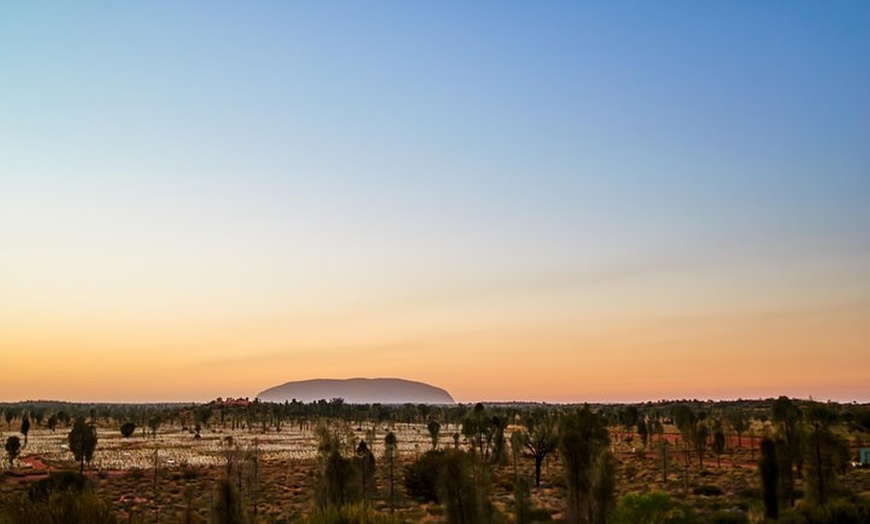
x,y
82,442
522,502
391,445
540,439
458,491
769,469
739,422
786,416
718,445
603,495
228,507
13,448
434,429
25,427
365,461
52,422
498,426
825,451
643,430
583,449
629,418
336,475
699,438
516,451
127,429
685,420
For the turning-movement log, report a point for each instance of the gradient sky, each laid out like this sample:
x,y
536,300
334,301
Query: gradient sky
x,y
557,201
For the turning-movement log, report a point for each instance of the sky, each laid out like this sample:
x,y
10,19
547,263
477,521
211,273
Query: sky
x,y
545,201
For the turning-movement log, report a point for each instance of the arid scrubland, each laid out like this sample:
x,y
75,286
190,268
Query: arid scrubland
x,y
676,462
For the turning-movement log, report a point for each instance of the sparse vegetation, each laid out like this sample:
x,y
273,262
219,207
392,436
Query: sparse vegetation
x,y
331,462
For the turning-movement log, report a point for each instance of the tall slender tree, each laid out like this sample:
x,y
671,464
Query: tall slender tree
x,y
769,469
434,430
583,449
391,445
25,427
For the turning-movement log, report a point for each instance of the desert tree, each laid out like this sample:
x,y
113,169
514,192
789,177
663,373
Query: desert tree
x,y
516,441
603,493
825,454
154,422
13,448
82,442
540,439
464,501
434,430
38,416
663,455
584,448
522,502
336,485
51,423
9,415
699,438
629,417
643,427
391,446
365,461
476,429
739,423
786,417
685,420
499,443
127,429
718,443
228,507
769,469
25,427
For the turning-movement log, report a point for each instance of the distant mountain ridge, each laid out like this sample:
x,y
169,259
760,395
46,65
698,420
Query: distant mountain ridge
x,y
359,391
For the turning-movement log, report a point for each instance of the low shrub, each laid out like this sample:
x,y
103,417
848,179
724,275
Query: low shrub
x,y
729,517
57,481
350,514
708,490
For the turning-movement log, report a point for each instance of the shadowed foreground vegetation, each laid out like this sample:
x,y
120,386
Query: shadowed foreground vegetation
x,y
776,460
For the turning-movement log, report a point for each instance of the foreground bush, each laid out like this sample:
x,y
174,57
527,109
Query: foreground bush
x,y
350,514
58,482
64,507
837,512
651,508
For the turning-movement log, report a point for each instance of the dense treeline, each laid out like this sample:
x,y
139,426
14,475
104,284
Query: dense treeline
x,y
805,451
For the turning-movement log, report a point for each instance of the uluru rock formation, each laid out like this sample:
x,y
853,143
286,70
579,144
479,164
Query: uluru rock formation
x,y
358,391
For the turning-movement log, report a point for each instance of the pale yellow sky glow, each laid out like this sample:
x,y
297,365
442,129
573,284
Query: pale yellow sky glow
x,y
667,334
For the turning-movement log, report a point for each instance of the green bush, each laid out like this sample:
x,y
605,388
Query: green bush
x,y
350,514
651,508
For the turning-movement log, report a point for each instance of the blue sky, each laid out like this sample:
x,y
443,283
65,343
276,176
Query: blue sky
x,y
448,160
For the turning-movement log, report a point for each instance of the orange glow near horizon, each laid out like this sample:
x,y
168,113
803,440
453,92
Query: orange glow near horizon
x,y
819,353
